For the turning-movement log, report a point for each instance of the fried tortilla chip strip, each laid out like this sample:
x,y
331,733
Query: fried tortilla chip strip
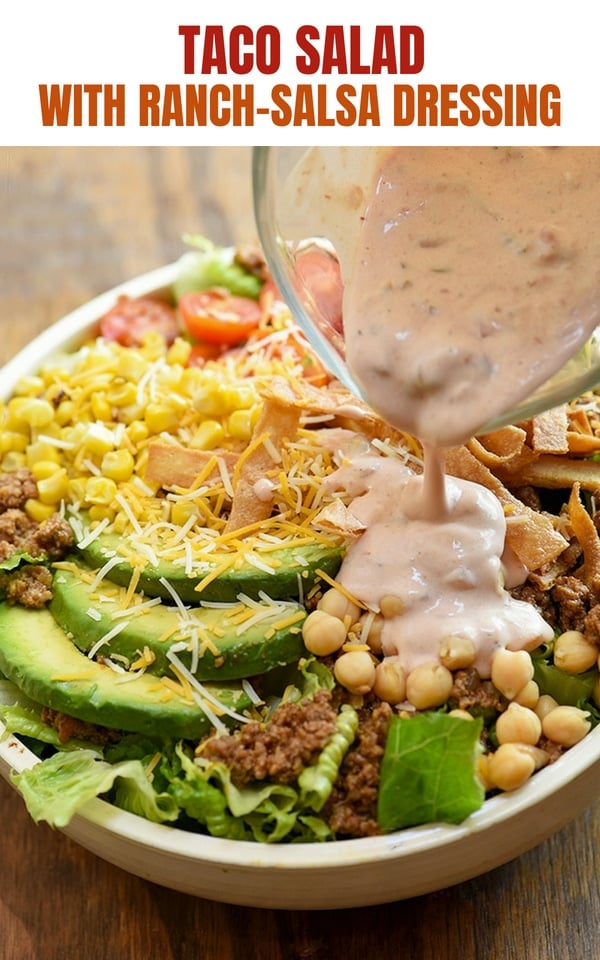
x,y
585,530
552,472
533,538
549,431
172,465
278,422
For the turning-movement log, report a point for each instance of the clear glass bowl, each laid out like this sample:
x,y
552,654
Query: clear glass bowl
x,y
327,220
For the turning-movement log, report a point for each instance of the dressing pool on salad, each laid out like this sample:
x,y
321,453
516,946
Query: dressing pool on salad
x,y
474,277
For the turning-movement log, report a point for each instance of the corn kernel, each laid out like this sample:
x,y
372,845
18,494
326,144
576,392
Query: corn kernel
x,y
100,512
65,412
239,424
161,418
101,408
179,352
131,366
122,394
54,488
76,490
240,397
13,460
209,401
41,451
39,511
117,465
181,511
137,432
29,387
42,469
32,411
98,439
120,522
209,435
100,490
12,440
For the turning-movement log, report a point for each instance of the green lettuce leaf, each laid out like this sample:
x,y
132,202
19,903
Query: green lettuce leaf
x,y
55,789
428,772
213,266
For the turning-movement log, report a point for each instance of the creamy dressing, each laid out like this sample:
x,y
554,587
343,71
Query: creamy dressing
x,y
474,277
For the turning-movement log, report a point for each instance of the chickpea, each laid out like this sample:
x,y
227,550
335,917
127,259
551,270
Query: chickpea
x,y
335,603
573,653
518,725
428,685
511,670
456,652
510,767
391,606
461,714
529,695
545,704
390,682
566,725
355,671
322,633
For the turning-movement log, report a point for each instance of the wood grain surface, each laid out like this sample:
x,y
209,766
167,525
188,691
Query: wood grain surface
x,y
74,222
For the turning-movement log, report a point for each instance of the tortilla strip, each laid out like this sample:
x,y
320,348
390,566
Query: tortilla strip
x,y
507,446
552,472
278,422
549,431
533,539
172,465
585,530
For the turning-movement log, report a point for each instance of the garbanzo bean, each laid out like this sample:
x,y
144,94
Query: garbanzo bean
x,y
373,635
390,682
518,725
355,671
391,606
338,605
573,653
456,652
428,685
322,633
545,704
566,725
511,670
529,695
510,767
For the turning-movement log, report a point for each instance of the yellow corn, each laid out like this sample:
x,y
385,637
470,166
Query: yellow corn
x,y
117,465
122,394
39,511
137,432
179,352
100,490
239,424
13,460
100,512
42,469
12,440
181,511
101,408
208,435
76,490
98,439
54,488
41,451
64,413
29,387
160,417
32,411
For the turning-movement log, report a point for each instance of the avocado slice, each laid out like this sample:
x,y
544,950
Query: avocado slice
x,y
294,562
226,650
38,656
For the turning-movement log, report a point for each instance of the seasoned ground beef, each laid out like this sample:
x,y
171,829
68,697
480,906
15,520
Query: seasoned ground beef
x,y
591,624
541,599
469,691
572,598
53,538
16,488
71,728
351,810
281,749
30,585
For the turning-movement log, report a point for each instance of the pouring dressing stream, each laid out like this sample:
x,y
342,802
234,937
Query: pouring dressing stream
x,y
473,276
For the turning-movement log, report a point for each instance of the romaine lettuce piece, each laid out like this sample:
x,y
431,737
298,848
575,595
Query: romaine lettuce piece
x,y
212,266
428,773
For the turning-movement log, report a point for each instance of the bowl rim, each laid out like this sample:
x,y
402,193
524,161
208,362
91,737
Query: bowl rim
x,y
66,334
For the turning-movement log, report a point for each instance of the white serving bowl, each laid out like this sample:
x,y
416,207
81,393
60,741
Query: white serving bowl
x,y
347,873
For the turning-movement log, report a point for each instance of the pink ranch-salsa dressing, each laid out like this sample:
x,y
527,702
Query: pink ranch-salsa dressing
x,y
475,277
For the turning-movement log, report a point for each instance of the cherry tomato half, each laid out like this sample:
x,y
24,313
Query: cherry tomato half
x,y
321,274
132,318
217,316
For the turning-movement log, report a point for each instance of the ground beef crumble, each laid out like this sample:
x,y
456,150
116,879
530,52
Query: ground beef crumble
x,y
69,728
279,750
30,584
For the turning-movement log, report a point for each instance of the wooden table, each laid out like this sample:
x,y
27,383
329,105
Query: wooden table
x,y
73,223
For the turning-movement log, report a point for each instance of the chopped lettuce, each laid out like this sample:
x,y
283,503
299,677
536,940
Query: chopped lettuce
x,y
428,773
213,266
